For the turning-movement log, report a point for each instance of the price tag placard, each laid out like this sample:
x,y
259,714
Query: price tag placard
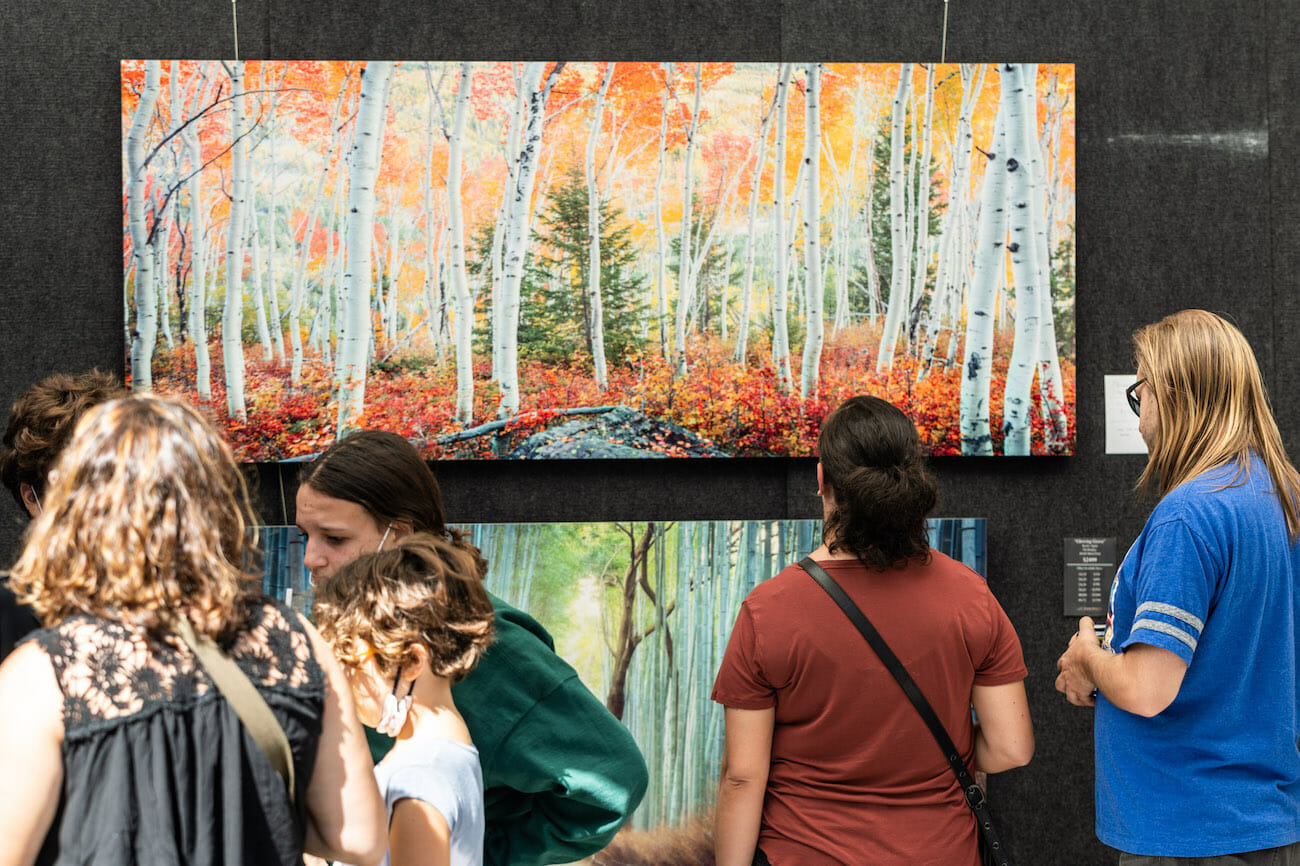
x,y
1089,570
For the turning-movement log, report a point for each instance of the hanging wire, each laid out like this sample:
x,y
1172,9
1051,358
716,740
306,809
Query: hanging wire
x,y
284,503
943,50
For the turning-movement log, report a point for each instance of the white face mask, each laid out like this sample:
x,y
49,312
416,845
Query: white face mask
x,y
394,717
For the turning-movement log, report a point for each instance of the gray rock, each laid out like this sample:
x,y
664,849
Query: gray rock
x,y
622,433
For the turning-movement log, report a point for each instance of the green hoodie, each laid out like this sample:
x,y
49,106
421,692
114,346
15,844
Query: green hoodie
x,y
560,773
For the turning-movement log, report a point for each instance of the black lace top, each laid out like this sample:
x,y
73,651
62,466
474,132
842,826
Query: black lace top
x,y
158,768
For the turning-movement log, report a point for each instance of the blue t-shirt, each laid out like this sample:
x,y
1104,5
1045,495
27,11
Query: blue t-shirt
x,y
1212,578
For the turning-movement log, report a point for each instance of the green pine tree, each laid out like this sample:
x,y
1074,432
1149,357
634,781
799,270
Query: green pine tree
x,y
881,241
555,315
1062,277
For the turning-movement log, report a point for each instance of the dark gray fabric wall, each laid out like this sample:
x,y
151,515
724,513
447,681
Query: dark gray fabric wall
x,y
1188,142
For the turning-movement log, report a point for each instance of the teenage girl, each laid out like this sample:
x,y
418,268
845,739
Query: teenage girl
x,y
407,622
560,773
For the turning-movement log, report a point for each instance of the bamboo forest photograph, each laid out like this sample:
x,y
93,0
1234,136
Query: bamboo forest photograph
x,y
643,612
531,260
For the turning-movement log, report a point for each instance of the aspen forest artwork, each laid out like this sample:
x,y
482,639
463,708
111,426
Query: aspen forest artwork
x,y
643,612
622,259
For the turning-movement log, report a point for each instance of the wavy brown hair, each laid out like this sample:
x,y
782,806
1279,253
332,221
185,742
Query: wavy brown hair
x,y
880,488
425,590
146,514
1211,405
42,420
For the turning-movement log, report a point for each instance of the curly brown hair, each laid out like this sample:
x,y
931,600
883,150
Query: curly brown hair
x,y
147,515
426,590
42,420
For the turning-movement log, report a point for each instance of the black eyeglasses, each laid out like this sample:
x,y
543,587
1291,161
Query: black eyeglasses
x,y
1130,394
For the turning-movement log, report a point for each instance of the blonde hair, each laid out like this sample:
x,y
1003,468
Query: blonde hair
x,y
1211,406
146,514
426,590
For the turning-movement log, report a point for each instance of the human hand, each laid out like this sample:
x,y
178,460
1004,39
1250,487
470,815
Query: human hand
x,y
1075,680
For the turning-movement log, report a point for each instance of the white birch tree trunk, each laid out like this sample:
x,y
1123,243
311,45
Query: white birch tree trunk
x,y
597,323
162,272
685,262
869,241
780,279
363,171
1022,154
273,295
496,256
1051,390
457,275
747,287
898,285
950,273
517,239
922,208
232,314
273,286
527,78
990,259
842,221
661,237
812,347
397,249
197,324
258,289
432,227
145,334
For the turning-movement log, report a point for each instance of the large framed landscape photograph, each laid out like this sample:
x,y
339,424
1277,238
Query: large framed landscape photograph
x,y
643,611
528,260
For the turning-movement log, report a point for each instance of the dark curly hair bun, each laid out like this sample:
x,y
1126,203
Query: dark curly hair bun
x,y
882,492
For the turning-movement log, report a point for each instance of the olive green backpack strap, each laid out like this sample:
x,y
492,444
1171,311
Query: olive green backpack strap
x,y
240,693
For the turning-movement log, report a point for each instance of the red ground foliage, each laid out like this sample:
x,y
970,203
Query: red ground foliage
x,y
740,408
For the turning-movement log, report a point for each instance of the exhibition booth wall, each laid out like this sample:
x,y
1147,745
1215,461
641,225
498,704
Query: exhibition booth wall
x,y
1186,137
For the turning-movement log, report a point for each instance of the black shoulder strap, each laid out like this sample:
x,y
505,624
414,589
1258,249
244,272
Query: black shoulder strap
x,y
973,793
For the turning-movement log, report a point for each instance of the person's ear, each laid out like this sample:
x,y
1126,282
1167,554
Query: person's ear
x,y
401,529
30,500
821,485
417,662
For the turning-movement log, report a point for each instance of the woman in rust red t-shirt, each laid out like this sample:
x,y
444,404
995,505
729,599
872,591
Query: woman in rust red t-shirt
x,y
826,760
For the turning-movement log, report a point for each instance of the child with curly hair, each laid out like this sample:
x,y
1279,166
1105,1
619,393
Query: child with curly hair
x,y
406,623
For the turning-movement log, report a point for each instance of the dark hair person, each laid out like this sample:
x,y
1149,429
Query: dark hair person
x,y
1197,680
118,749
560,773
40,422
826,760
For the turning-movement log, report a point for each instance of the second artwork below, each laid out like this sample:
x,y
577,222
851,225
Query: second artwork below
x,y
643,611
533,260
